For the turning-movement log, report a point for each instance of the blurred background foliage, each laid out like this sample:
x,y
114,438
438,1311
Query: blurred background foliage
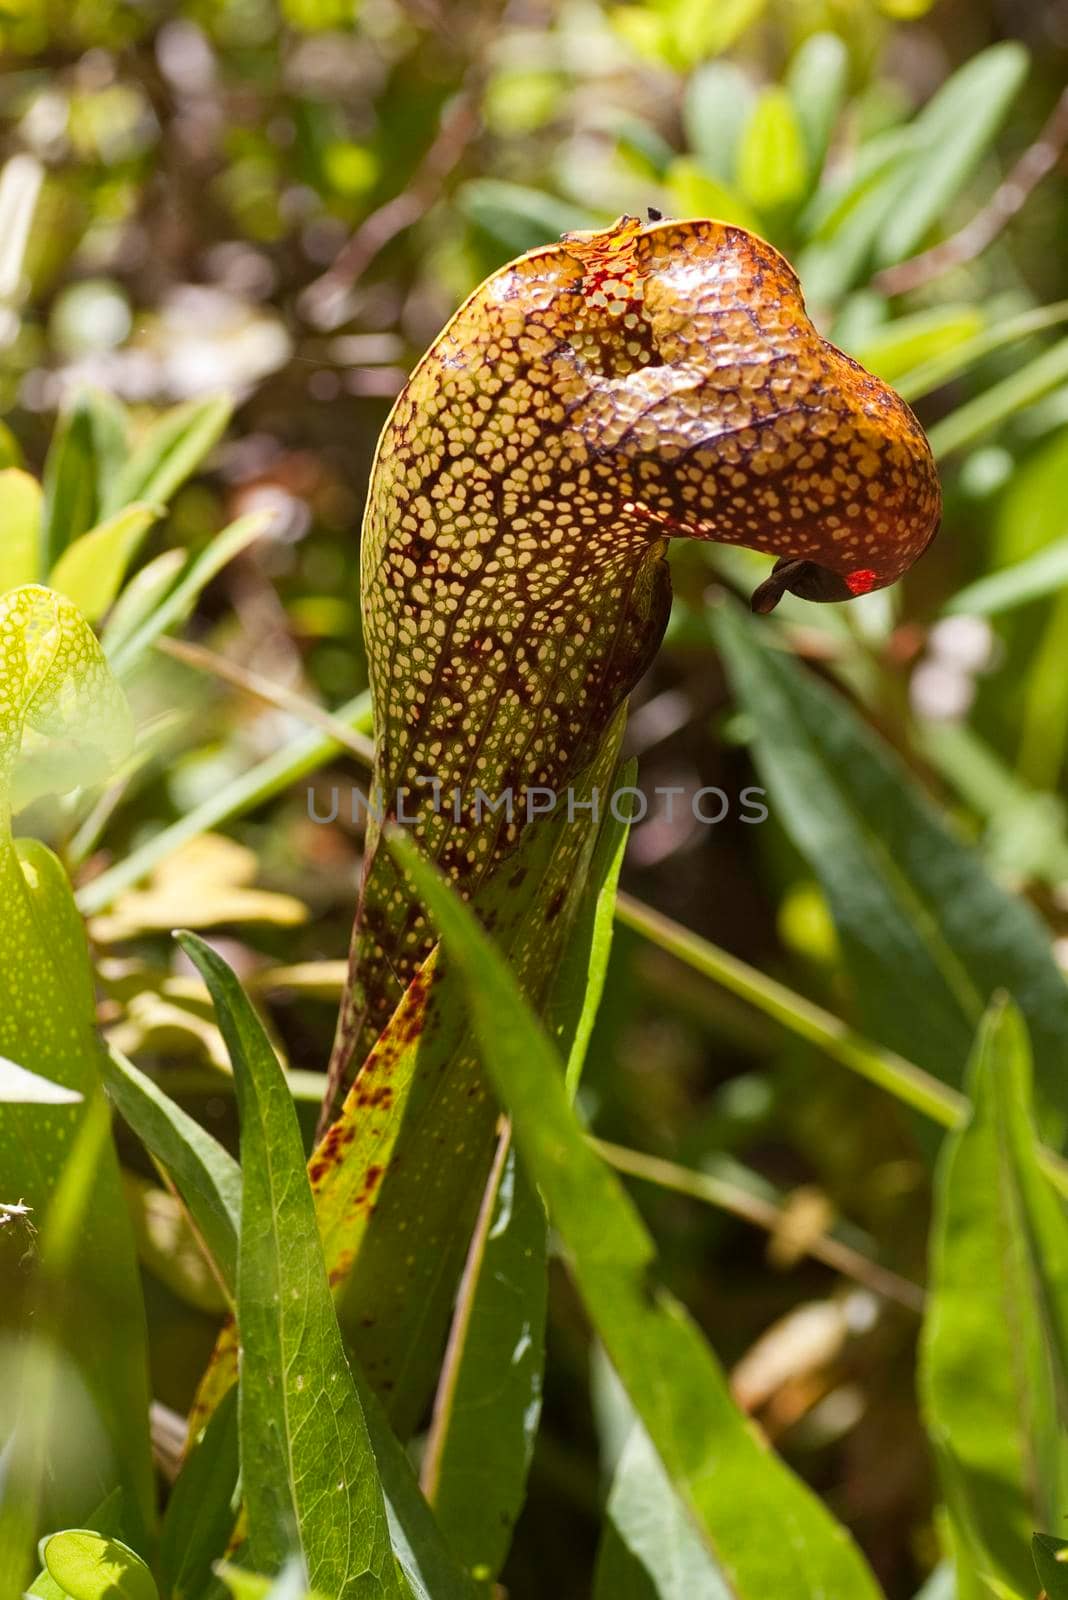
x,y
284,203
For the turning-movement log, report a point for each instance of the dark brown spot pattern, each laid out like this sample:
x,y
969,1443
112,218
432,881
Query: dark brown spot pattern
x,y
590,400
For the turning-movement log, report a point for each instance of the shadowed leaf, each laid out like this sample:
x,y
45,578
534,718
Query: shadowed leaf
x,y
994,1362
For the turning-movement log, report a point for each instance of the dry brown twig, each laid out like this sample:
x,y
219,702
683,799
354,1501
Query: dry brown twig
x,y
322,302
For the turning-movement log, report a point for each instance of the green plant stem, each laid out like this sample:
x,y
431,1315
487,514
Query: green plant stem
x,y
740,1202
802,1017
887,1070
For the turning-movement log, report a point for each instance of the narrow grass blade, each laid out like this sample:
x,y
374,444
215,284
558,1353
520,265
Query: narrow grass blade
x,y
179,601
255,787
734,1487
170,451
206,1176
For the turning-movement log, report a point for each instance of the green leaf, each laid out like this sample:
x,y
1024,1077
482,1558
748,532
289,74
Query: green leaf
x,y
942,369
953,132
206,1176
201,1510
693,193
1051,1562
1001,402
108,422
489,1397
289,1585
994,1358
90,571
179,601
941,1585
55,684
418,1543
843,217
69,506
700,31
580,977
105,1519
703,1441
139,599
307,1467
90,1566
488,1405
169,452
772,164
650,1549
518,218
17,1086
20,527
905,343
816,81
915,909
1040,575
718,101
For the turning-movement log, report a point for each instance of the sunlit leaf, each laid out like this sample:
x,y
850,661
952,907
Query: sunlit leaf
x,y
91,569
55,682
1040,575
902,345
289,1585
1003,400
179,600
772,162
20,521
168,453
29,1088
693,193
718,100
207,882
69,506
650,1549
90,1566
